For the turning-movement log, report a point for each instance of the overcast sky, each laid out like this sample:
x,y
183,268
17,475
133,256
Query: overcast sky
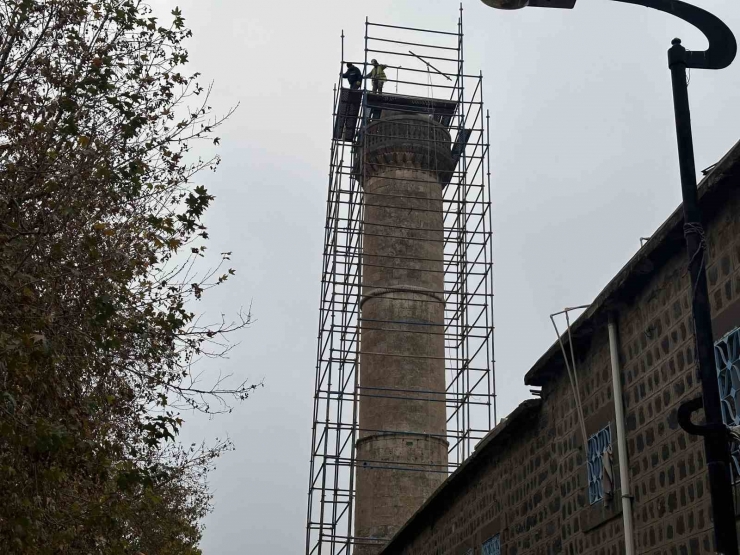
x,y
584,163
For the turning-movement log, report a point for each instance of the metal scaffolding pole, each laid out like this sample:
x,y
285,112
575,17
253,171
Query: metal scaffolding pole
x,y
469,397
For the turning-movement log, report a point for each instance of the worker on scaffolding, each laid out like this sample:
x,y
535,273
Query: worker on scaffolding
x,y
377,74
353,76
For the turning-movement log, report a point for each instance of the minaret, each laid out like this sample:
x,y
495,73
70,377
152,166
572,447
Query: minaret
x,y
401,449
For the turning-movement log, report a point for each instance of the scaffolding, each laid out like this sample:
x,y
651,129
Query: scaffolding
x,y
425,75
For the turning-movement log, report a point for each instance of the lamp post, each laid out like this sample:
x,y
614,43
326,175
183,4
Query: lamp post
x,y
720,54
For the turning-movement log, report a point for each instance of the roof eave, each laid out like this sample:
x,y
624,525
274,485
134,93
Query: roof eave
x,y
640,264
518,418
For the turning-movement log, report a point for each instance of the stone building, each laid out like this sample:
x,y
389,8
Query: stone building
x,y
532,487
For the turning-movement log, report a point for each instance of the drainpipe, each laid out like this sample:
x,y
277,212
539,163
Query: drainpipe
x,y
624,475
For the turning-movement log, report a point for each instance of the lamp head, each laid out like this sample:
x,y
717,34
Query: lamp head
x,y
506,4
516,4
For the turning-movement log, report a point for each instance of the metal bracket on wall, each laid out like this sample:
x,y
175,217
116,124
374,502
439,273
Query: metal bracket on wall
x,y
688,408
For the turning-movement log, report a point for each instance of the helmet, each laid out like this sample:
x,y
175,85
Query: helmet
x,y
373,61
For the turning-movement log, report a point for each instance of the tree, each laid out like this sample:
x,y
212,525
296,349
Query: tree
x,y
100,231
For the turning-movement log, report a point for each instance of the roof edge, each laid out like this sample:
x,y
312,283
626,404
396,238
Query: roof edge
x,y
516,419
537,375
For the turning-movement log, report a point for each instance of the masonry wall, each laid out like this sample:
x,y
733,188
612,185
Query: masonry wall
x,y
402,447
532,488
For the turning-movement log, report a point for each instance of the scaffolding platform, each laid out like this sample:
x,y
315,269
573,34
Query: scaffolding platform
x,y
350,101
441,111
348,109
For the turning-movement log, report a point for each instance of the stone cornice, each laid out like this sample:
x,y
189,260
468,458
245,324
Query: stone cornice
x,y
406,141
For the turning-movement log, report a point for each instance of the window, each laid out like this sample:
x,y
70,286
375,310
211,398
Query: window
x,y
599,464
727,361
492,546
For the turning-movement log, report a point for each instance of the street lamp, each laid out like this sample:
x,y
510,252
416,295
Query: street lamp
x,y
721,52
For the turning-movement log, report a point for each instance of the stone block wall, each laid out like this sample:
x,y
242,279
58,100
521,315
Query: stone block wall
x,y
532,488
669,480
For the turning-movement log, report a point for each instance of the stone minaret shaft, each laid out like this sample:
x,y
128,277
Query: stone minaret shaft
x,y
401,451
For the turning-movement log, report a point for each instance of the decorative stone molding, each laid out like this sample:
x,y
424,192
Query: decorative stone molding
x,y
381,291
405,141
404,436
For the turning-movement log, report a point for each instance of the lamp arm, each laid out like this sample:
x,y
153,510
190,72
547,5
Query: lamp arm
x,y
722,44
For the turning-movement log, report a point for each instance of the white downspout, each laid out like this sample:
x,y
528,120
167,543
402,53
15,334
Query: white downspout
x,y
624,475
